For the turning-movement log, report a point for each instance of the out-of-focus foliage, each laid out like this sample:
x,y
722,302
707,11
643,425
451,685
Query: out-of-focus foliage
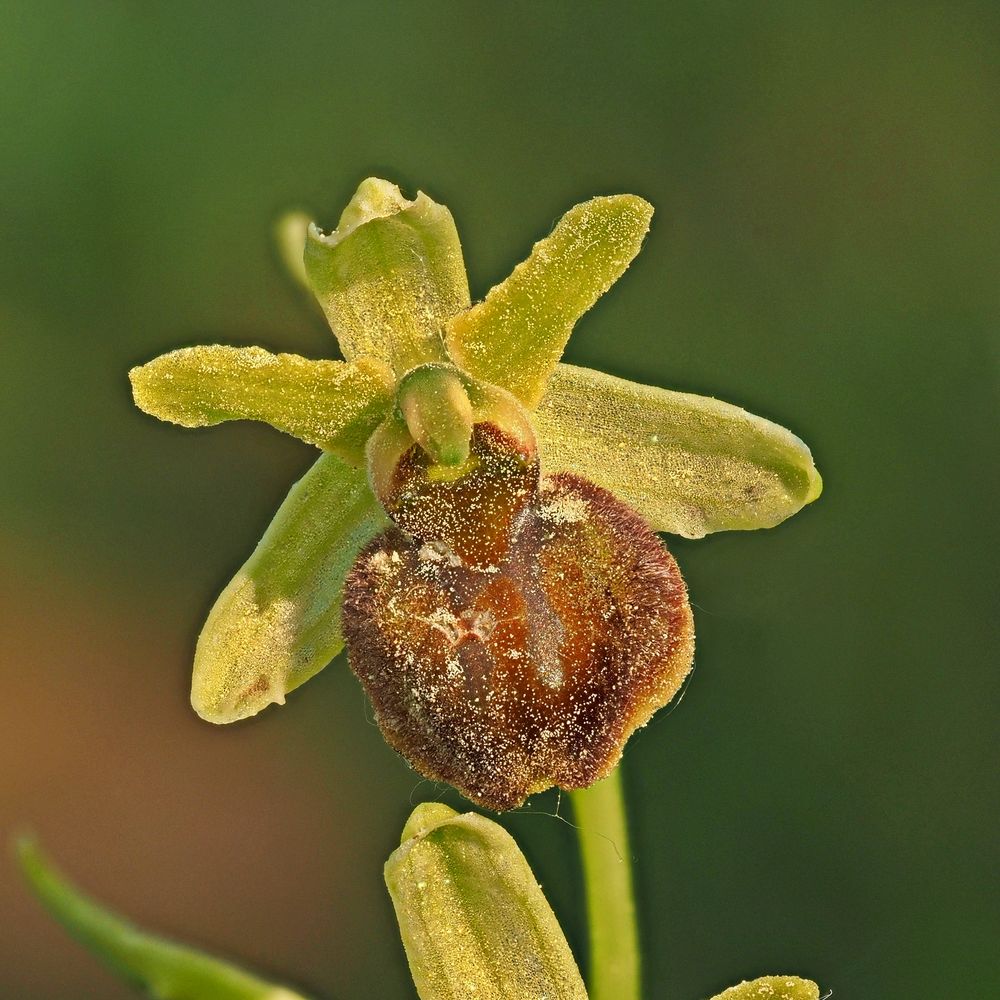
x,y
162,969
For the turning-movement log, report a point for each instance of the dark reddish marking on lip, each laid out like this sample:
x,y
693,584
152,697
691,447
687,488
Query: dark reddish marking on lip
x,y
476,515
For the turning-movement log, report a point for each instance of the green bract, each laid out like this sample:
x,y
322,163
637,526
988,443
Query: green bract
x,y
471,914
392,283
161,968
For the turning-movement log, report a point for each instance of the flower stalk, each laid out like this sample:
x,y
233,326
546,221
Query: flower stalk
x,y
602,829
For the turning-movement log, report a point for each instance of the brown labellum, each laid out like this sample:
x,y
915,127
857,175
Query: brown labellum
x,y
473,510
519,647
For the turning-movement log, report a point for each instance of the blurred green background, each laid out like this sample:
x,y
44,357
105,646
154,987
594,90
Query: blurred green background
x,y
824,253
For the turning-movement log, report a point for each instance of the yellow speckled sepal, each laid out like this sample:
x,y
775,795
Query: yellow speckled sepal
x,y
389,276
334,405
278,622
689,464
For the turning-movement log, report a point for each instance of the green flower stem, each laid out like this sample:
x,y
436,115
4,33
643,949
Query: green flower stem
x,y
599,811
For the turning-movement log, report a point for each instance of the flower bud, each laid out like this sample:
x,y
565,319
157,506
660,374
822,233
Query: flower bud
x,y
471,914
772,988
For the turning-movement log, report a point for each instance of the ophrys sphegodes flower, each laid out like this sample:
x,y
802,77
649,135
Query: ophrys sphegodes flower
x,y
479,529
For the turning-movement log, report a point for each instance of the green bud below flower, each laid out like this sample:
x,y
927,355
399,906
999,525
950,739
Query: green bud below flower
x,y
772,988
473,919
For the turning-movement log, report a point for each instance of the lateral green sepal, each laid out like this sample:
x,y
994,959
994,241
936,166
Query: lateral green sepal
x,y
515,336
689,464
772,988
334,405
162,968
278,622
473,919
389,276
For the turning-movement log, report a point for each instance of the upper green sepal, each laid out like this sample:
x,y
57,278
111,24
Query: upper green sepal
x,y
161,968
689,464
515,336
473,919
772,988
334,405
389,276
278,622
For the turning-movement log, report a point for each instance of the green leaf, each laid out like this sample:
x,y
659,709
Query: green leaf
x,y
689,464
389,276
471,914
515,336
334,405
278,622
166,970
772,988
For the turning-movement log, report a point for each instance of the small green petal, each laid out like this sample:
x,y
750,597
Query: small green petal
x,y
772,988
165,970
278,622
472,916
689,464
517,334
334,405
389,276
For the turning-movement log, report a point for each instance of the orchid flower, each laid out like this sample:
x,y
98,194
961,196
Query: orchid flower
x,y
479,529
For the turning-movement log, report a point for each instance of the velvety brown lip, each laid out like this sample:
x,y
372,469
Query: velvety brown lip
x,y
504,678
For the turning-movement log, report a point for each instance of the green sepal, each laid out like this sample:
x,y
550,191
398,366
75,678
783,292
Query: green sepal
x,y
689,464
772,988
278,622
334,405
515,336
473,919
389,276
162,968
